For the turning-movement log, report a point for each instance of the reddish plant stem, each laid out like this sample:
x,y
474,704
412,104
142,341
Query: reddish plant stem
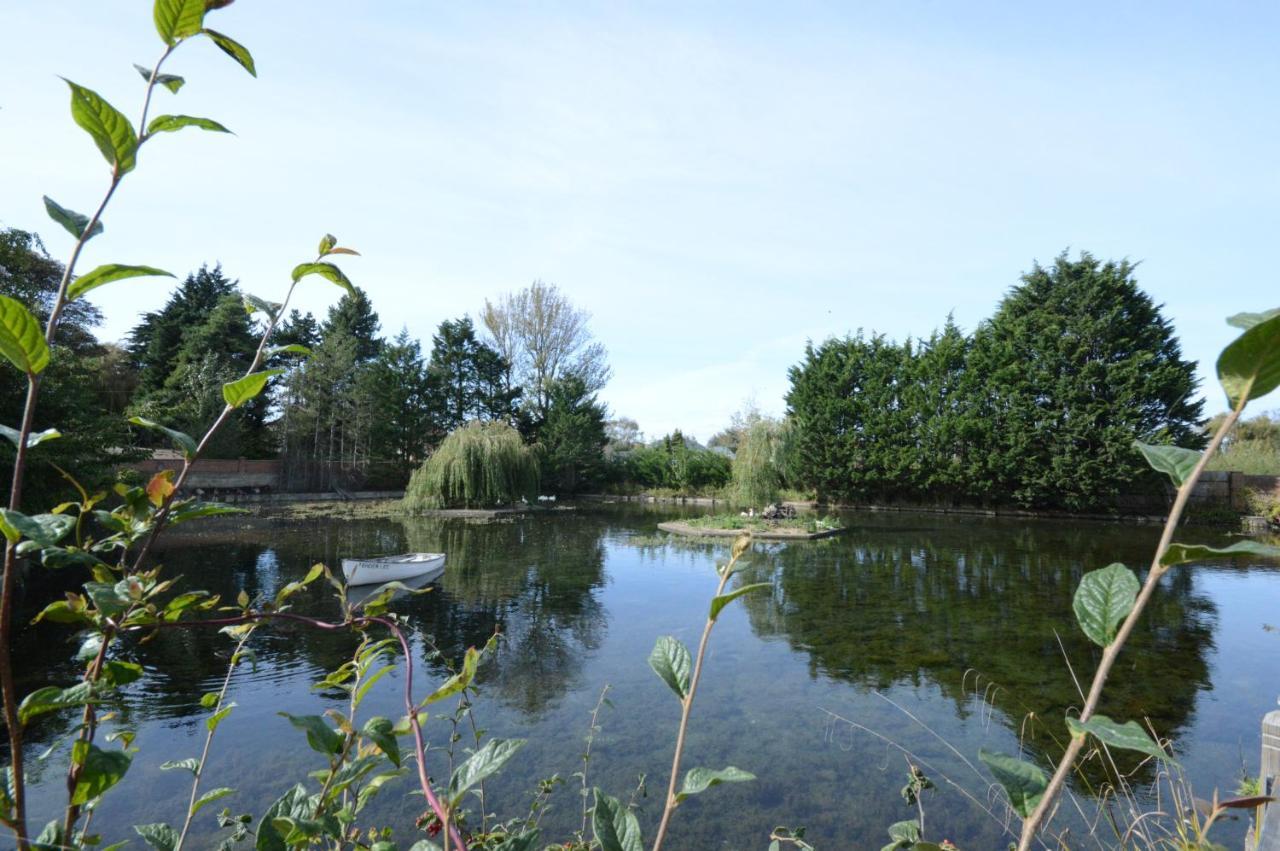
x,y
420,749
18,822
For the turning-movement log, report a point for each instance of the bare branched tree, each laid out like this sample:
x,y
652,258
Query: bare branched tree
x,y
545,338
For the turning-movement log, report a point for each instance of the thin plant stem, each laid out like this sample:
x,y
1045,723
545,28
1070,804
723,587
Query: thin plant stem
x,y
18,822
586,759
424,781
686,705
1040,814
208,742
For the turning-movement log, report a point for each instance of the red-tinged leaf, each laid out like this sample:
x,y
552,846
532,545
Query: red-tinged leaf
x,y
160,487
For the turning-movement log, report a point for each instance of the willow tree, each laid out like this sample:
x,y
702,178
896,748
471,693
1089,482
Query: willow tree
x,y
758,466
480,465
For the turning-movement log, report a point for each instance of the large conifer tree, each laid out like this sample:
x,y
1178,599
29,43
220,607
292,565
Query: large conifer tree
x,y
1076,364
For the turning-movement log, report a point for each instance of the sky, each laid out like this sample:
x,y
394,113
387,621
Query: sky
x,y
716,183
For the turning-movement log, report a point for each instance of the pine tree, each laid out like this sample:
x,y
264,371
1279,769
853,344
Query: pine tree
x,y
354,318
399,389
467,379
213,341
156,341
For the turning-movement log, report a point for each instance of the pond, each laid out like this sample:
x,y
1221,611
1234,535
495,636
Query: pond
x,y
941,635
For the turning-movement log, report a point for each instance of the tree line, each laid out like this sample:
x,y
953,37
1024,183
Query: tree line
x,y
346,406
1037,407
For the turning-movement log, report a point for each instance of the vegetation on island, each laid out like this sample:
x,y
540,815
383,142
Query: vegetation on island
x,y
743,522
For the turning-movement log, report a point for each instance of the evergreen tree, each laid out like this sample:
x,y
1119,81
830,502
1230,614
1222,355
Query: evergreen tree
x,y
847,401
573,437
201,339
156,341
467,379
399,389
353,318
941,416
1076,364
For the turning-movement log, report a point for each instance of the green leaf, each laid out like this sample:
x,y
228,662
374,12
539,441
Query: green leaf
x,y
698,780
1248,320
52,698
74,222
458,681
116,673
174,123
185,443
1023,782
21,339
1176,462
178,19
44,529
172,82
211,796
1183,553
291,349
905,835
60,611
327,242
253,304
1103,600
294,803
615,827
379,731
107,597
670,660
481,764
328,271
320,736
244,389
1250,366
190,764
181,513
523,842
216,718
158,836
14,436
1129,736
718,603
234,49
101,770
111,131
108,273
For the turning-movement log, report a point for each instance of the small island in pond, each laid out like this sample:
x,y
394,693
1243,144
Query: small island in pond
x,y
766,526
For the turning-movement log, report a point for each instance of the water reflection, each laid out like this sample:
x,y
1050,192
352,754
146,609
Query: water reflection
x,y
905,604
946,603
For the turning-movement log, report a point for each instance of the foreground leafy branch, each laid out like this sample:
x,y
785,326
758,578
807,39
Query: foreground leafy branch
x,y
1109,602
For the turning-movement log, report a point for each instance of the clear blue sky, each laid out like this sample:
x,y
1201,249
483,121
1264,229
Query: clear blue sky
x,y
715,183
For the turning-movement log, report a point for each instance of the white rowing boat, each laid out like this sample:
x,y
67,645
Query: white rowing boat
x,y
369,571
358,595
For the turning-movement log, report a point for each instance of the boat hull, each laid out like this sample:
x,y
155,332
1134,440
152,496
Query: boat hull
x,y
375,571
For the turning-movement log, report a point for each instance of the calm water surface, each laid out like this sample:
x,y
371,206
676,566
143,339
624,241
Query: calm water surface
x,y
934,633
